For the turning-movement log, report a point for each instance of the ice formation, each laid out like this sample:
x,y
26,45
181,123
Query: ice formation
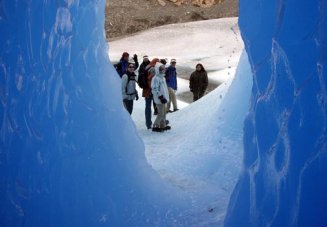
x,y
69,153
284,180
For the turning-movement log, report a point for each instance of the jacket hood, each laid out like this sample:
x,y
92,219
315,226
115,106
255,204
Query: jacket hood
x,y
158,64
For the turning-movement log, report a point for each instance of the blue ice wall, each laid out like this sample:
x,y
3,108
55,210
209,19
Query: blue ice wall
x,y
69,152
284,178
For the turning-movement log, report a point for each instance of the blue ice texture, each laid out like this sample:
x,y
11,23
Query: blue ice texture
x,y
284,177
69,153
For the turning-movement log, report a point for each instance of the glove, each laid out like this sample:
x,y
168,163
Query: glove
x,y
135,58
191,90
162,99
136,97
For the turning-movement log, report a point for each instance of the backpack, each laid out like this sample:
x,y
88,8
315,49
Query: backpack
x,y
128,80
142,79
121,67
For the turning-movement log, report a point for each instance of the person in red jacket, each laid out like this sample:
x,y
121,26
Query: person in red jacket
x,y
146,93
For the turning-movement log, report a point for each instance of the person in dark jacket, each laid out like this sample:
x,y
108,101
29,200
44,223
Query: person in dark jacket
x,y
171,80
128,87
121,66
198,82
144,64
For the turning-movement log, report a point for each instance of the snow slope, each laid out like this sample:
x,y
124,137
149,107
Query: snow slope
x,y
202,153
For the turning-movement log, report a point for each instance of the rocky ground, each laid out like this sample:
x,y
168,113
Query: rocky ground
x,y
125,17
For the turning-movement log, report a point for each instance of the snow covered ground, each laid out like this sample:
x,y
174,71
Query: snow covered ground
x,y
214,43
202,153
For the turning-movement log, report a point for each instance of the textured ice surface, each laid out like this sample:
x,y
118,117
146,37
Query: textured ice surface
x,y
284,181
69,153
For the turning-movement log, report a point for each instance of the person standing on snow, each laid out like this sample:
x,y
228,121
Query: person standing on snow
x,y
121,66
147,94
144,64
171,79
152,72
128,87
198,82
160,97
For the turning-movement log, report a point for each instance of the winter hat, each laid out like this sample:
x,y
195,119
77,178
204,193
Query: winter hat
x,y
157,66
145,57
125,54
173,60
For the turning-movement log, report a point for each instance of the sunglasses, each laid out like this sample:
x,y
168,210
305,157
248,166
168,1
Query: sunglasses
x,y
131,67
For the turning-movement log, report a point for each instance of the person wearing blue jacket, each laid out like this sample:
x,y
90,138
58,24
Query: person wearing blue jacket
x,y
122,65
171,80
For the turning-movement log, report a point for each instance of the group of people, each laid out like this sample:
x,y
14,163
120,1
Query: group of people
x,y
159,86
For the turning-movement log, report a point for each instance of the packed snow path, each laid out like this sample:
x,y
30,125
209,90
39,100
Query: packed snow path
x,y
201,155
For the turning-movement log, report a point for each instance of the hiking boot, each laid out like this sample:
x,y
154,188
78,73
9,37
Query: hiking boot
x,y
157,129
175,110
167,122
167,127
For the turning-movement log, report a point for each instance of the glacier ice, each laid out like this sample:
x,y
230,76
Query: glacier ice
x,y
284,178
66,156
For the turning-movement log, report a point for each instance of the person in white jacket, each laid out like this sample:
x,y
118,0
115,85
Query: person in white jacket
x,y
128,88
160,97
